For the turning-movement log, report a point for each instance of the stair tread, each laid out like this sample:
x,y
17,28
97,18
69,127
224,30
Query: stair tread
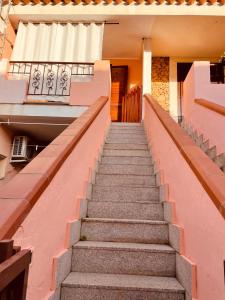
x,y
123,282
125,180
123,175
118,165
127,131
126,152
125,146
126,124
120,169
132,160
126,221
146,188
132,135
124,246
125,141
125,193
125,185
126,209
150,202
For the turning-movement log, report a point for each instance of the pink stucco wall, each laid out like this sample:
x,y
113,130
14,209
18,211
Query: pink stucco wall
x,y
44,229
204,227
85,93
197,86
13,91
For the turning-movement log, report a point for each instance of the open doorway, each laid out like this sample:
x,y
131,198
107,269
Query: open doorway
x,y
126,90
119,75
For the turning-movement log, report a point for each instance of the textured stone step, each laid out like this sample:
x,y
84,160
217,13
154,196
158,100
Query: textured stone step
x,y
126,125
134,137
92,286
205,146
125,140
220,160
127,131
125,180
129,134
124,160
123,258
125,169
212,153
125,194
125,210
128,231
126,146
136,153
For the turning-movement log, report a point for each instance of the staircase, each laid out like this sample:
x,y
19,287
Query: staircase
x,y
124,250
204,144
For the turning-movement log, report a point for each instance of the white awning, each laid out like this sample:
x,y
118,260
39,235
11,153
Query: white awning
x,y
56,42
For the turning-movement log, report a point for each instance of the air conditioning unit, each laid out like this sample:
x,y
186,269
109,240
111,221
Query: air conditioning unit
x,y
20,152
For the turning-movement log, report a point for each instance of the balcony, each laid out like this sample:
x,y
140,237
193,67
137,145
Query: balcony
x,y
70,83
51,79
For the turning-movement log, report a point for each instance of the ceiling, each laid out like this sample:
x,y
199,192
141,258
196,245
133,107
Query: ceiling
x,y
40,129
172,35
186,36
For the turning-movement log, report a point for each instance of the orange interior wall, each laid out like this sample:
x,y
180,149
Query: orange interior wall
x,y
134,70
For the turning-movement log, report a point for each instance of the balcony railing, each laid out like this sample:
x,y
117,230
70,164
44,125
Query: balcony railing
x,y
50,78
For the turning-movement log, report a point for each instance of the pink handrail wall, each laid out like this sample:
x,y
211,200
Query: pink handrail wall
x,y
197,86
44,229
85,93
203,225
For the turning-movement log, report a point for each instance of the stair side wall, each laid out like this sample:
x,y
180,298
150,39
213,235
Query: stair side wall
x,y
203,226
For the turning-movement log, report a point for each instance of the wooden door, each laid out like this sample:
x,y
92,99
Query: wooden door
x,y
119,76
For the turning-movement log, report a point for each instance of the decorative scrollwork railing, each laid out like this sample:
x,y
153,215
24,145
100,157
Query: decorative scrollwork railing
x,y
50,78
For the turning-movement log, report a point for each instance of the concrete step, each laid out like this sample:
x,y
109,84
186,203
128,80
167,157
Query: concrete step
x,y
138,137
125,169
129,134
125,180
126,146
127,231
127,131
124,160
126,125
205,146
135,153
125,210
212,153
220,160
123,258
125,140
94,286
199,140
125,194
195,136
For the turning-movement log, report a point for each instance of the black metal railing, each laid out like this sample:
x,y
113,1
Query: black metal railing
x,y
50,78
